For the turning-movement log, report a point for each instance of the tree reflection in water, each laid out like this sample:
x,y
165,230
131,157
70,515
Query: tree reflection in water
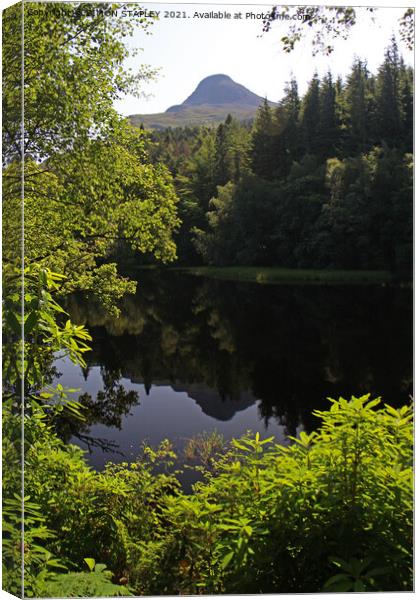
x,y
229,345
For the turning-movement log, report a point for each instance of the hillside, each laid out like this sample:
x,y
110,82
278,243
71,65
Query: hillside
x,y
213,99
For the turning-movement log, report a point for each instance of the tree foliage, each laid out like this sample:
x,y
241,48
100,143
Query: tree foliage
x,y
79,179
73,71
89,185
309,193
323,25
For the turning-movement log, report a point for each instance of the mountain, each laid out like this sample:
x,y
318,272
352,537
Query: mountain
x,y
213,99
219,90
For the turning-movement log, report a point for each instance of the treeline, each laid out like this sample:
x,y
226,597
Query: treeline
x,y
322,181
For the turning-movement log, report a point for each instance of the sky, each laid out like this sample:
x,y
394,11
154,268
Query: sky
x,y
185,50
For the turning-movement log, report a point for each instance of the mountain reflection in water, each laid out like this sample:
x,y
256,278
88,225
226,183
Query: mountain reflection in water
x,y
189,354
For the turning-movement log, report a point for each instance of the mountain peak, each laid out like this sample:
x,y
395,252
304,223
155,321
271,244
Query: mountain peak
x,y
219,90
214,98
216,78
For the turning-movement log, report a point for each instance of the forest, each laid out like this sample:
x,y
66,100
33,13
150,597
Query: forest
x,y
321,181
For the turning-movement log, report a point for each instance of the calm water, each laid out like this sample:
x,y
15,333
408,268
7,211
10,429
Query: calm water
x,y
191,354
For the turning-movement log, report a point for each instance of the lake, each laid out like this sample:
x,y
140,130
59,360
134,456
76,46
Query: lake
x,y
190,354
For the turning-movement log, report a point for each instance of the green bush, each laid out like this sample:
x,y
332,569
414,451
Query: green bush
x,y
332,511
280,519
97,582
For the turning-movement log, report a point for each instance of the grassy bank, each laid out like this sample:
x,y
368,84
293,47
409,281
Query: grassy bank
x,y
280,275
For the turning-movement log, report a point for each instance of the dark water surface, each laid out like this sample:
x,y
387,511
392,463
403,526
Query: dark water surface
x,y
190,354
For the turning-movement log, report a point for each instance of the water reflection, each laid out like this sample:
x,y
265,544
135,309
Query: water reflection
x,y
243,355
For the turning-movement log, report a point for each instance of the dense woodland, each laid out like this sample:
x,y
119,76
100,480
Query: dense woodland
x,y
324,180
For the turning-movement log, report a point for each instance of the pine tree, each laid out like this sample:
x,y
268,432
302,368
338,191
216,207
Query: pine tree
x,y
223,157
310,116
262,155
406,94
287,126
356,108
389,117
329,125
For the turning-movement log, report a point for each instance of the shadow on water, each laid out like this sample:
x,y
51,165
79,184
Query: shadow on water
x,y
189,354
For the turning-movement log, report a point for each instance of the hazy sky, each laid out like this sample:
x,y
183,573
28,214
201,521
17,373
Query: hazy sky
x,y
187,50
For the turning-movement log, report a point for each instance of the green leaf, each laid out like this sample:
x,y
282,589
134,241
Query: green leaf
x,y
240,446
31,321
91,562
226,560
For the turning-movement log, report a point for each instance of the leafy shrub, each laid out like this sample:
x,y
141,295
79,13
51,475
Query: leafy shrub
x,y
81,585
272,516
331,511
34,561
